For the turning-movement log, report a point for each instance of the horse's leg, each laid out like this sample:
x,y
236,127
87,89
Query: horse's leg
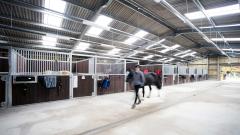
x,y
143,91
150,90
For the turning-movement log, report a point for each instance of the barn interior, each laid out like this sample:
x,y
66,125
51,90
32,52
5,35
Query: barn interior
x,y
65,66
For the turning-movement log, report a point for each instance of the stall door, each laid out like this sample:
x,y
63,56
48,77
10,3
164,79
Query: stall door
x,y
85,87
2,91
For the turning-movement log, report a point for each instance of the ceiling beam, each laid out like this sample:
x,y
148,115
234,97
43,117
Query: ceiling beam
x,y
211,29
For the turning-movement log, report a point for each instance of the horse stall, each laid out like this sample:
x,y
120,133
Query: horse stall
x,y
199,74
175,75
183,76
168,75
4,69
110,75
205,74
192,74
130,66
83,76
39,76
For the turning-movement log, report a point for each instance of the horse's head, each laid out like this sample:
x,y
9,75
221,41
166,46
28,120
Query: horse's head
x,y
129,76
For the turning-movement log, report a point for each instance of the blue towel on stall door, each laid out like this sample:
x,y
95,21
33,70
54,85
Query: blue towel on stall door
x,y
50,81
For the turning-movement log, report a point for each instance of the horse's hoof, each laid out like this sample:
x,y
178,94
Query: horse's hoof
x,y
133,106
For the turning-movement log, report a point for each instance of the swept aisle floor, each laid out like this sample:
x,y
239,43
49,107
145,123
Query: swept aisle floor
x,y
208,107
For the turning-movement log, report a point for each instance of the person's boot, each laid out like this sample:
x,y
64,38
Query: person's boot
x,y
133,106
139,102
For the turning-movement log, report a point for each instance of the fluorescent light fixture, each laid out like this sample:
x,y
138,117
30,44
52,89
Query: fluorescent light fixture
x,y
56,5
162,59
52,20
171,59
159,42
227,39
136,36
227,10
108,45
180,53
114,51
148,57
49,41
188,54
82,46
170,48
101,21
135,52
237,50
220,26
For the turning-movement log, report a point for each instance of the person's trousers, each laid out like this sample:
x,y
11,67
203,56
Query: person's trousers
x,y
136,88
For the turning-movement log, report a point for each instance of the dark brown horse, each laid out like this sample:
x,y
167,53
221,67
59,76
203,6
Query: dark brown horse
x,y
151,78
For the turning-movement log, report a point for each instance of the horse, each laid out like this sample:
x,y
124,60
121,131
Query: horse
x,y
151,78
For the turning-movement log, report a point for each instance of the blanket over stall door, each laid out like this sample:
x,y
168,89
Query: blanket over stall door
x,y
50,81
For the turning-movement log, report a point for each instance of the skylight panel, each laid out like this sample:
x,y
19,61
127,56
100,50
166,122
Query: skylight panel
x,y
114,51
52,20
221,11
130,40
139,34
49,41
94,31
102,21
56,5
82,46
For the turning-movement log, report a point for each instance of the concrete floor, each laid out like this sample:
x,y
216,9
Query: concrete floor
x,y
201,108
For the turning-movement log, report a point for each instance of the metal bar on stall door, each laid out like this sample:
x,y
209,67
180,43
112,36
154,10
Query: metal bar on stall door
x,y
61,62
38,67
17,60
20,61
28,62
64,62
48,63
52,62
44,61
40,61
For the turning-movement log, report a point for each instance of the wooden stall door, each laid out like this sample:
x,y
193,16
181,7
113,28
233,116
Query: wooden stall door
x,y
116,85
168,80
36,92
2,90
85,87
